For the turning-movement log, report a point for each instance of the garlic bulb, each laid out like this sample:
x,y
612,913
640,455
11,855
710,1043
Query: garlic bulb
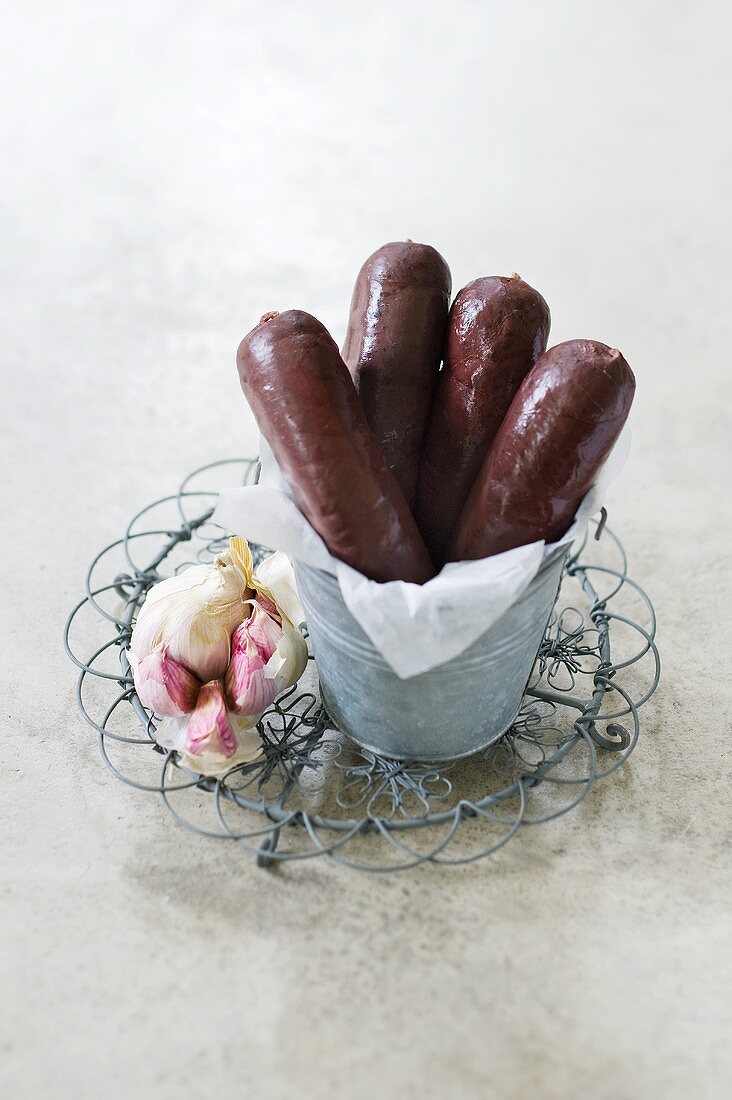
x,y
211,650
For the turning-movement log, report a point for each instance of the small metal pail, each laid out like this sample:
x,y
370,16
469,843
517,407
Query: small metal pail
x,y
453,710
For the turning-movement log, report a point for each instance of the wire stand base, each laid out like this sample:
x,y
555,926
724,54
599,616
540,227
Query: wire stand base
x,y
312,792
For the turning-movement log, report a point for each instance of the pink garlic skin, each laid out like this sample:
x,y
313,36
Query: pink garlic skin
x,y
270,607
164,685
249,689
209,729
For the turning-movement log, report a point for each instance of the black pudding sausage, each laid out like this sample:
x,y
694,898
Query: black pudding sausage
x,y
307,408
498,328
393,348
559,430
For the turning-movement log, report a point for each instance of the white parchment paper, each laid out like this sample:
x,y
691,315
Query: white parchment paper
x,y
415,627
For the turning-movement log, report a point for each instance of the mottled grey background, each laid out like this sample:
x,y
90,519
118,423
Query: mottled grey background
x,y
170,170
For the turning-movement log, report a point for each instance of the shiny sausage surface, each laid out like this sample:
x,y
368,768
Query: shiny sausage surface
x,y
559,430
497,329
306,406
393,348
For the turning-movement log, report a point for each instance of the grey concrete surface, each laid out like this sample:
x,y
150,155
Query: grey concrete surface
x,y
170,171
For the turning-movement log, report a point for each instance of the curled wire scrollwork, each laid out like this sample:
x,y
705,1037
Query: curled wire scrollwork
x,y
311,792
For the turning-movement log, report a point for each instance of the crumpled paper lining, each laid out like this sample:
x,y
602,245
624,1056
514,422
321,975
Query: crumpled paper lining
x,y
414,627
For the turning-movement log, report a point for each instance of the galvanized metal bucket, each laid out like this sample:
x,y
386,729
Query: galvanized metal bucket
x,y
451,711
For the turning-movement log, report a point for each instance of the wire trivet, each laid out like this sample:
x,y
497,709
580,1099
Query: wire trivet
x,y
312,792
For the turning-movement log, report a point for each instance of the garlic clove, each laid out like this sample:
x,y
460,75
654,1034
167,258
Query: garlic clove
x,y
266,659
201,641
250,689
263,627
172,733
163,684
209,729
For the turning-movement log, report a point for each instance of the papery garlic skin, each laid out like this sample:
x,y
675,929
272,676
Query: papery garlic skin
x,y
209,729
277,576
290,659
194,615
163,684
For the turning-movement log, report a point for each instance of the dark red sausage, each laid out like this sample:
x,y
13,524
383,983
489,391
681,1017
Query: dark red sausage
x,y
306,406
393,348
498,328
558,432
